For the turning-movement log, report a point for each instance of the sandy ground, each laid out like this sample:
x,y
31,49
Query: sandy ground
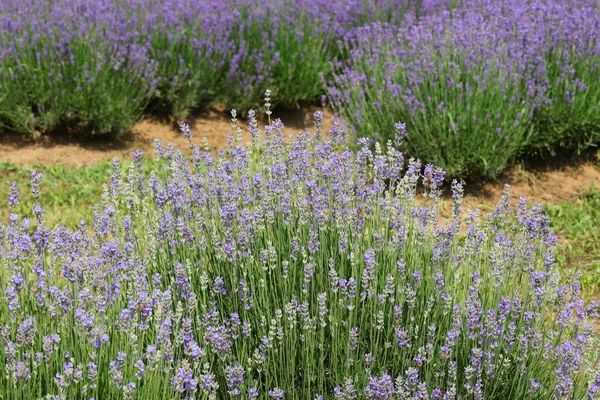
x,y
552,181
213,123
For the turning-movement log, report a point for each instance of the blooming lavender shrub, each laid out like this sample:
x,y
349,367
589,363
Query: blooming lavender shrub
x,y
480,84
97,65
290,268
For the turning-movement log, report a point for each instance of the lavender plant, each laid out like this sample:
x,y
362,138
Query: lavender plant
x,y
477,85
74,63
290,268
98,64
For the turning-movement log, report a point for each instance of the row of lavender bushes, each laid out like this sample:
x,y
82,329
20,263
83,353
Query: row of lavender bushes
x,y
478,85
98,65
289,270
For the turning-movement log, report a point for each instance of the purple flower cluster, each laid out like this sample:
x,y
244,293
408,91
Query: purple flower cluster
x,y
290,268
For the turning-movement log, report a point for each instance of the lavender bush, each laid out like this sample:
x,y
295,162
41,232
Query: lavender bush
x,y
97,64
66,65
480,84
289,269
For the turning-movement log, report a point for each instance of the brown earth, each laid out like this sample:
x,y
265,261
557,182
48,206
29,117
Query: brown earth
x,y
213,123
552,181
549,181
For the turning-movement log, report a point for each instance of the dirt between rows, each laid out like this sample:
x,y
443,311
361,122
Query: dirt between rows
x,y
555,181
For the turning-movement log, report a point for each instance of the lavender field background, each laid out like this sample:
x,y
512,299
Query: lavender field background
x,y
479,83
339,262
113,58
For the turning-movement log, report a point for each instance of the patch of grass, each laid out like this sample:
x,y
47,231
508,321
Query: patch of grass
x,y
68,192
577,226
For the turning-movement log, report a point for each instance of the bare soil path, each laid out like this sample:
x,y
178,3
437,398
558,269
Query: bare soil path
x,y
551,181
213,123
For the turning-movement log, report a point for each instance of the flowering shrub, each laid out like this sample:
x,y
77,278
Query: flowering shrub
x,y
97,64
289,269
480,84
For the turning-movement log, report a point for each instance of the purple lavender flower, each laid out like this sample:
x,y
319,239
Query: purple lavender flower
x,y
115,371
125,320
129,391
183,381
185,129
22,372
27,331
253,393
533,387
276,394
354,337
380,388
49,344
400,133
13,195
347,391
402,339
368,276
219,287
140,369
234,375
92,372
208,382
595,387
36,180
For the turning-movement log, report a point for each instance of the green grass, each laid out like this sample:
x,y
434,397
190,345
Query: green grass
x,y
577,225
68,192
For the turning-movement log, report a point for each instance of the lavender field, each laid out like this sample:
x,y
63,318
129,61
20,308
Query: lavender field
x,y
478,83
317,266
290,270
